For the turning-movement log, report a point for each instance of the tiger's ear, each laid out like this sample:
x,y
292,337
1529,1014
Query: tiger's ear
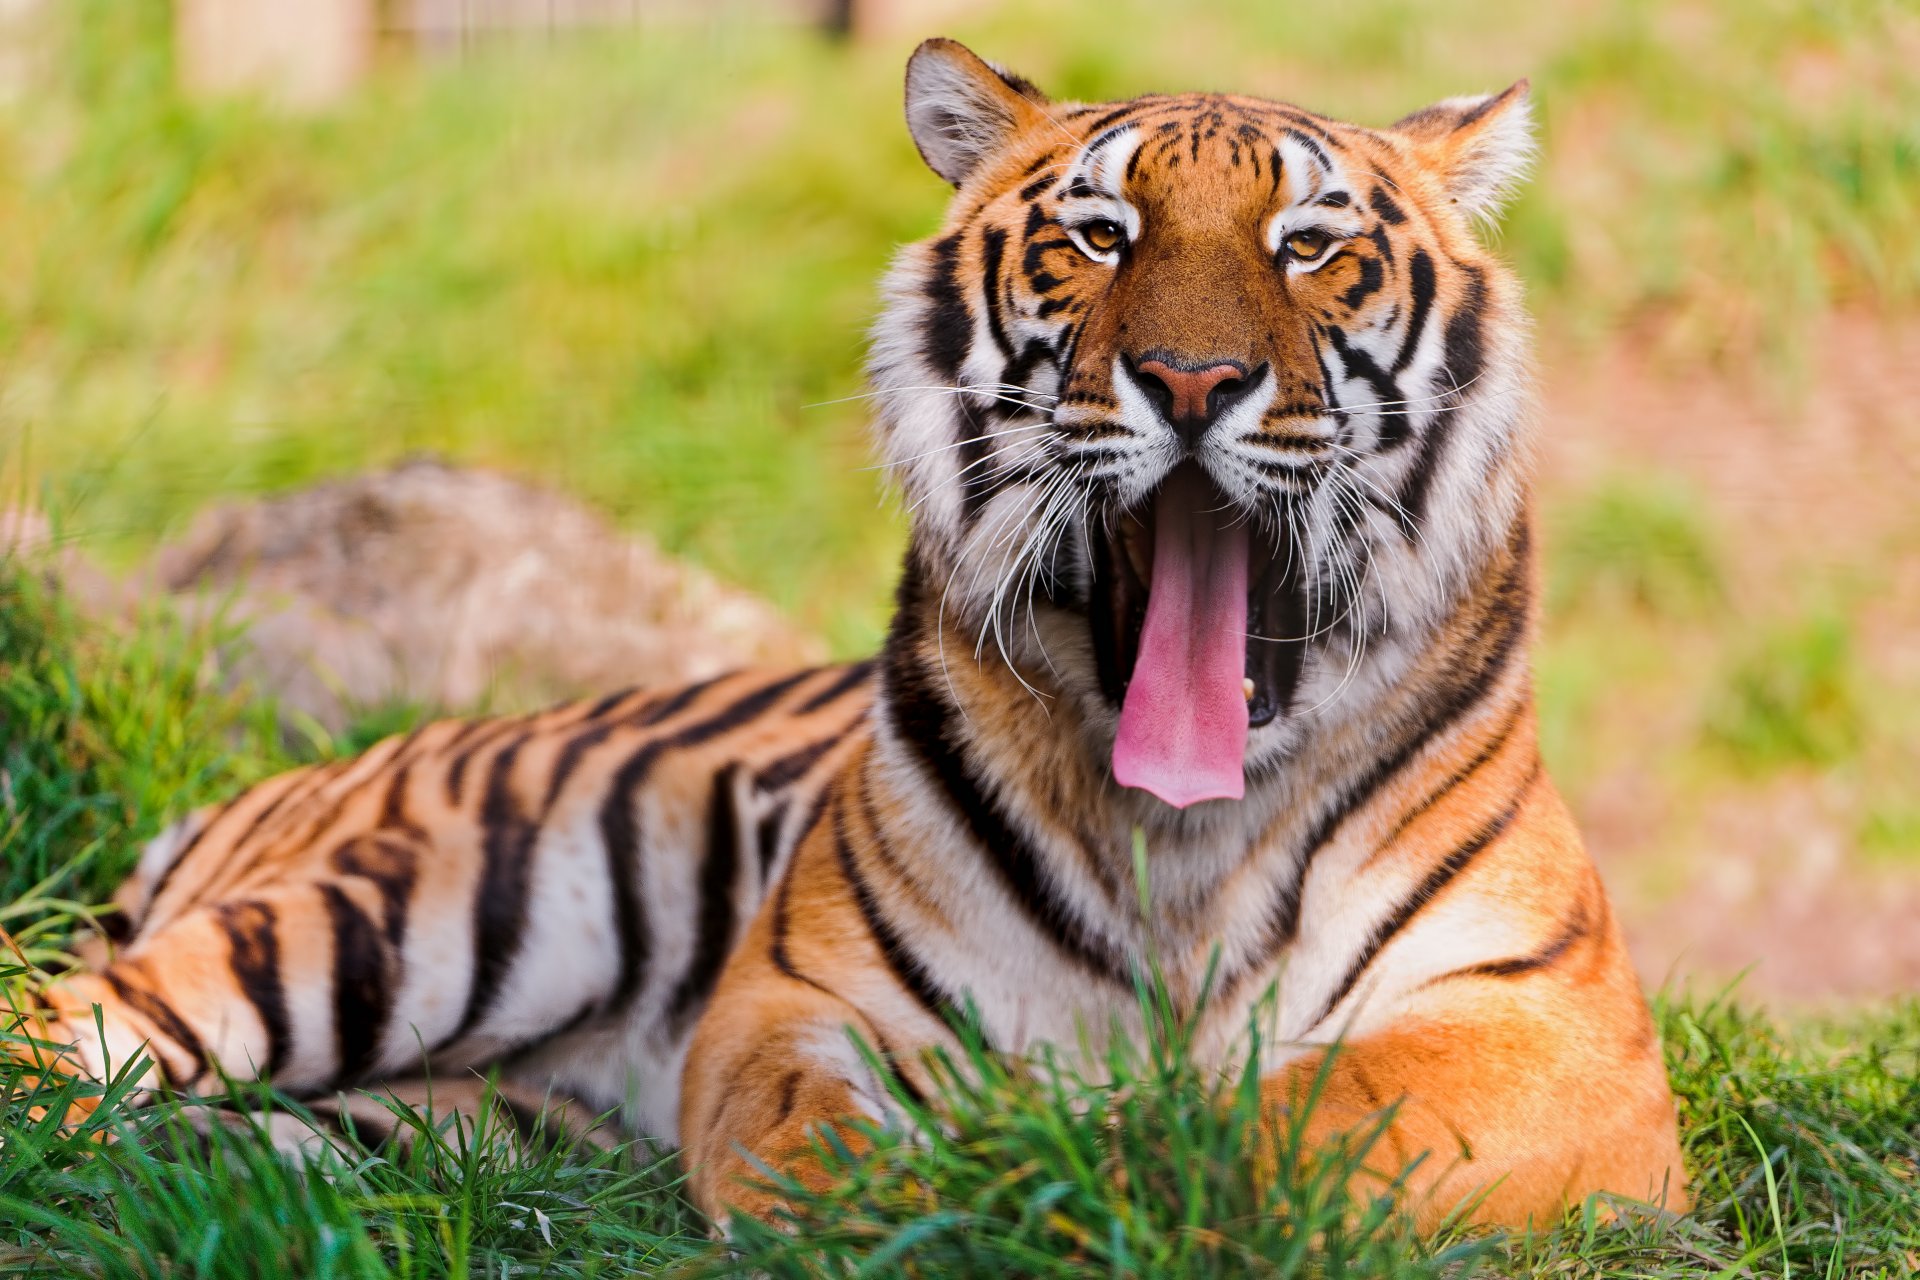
x,y
960,109
1481,147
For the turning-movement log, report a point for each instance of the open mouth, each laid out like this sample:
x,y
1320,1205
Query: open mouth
x,y
1197,622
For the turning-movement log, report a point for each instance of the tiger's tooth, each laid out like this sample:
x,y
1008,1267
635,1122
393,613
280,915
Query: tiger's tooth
x,y
1246,687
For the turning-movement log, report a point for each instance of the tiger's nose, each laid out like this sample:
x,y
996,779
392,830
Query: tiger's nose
x,y
1191,398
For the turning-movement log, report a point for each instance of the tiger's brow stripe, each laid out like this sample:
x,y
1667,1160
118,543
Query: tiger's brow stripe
x,y
362,996
1383,205
1429,888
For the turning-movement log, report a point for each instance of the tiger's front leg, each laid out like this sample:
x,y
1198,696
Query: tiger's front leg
x,y
1503,1104
774,1060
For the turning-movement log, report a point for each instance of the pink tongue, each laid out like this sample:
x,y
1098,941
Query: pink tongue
x,y
1183,727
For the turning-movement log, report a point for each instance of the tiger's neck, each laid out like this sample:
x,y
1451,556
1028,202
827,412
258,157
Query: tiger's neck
x,y
1022,755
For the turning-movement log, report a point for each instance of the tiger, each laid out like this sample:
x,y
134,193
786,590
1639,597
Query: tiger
x,y
1212,419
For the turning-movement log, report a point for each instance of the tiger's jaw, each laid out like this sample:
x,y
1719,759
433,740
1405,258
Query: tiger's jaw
x,y
1196,619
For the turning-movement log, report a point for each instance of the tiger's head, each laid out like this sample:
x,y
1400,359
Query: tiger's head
x,y
1206,409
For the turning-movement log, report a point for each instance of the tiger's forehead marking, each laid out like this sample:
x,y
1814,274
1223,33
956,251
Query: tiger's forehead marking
x,y
1243,151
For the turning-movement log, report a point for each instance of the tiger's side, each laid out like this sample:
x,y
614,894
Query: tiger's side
x,y
552,893
1211,415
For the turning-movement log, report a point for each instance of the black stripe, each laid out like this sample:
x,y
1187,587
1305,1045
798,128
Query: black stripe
x,y
255,959
907,968
993,251
766,839
391,865
1437,879
778,953
1372,274
457,770
1421,281
620,826
394,815
193,842
279,802
609,702
1359,364
1313,147
851,678
362,999
1577,929
166,1020
500,900
1464,358
1112,118
1465,349
891,1056
789,1096
714,925
655,710
946,325
1390,213
921,717
783,771
1505,618
1458,776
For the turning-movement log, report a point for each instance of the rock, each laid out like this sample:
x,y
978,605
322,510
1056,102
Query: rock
x,y
456,588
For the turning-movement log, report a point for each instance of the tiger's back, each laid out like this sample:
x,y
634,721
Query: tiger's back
x,y
555,891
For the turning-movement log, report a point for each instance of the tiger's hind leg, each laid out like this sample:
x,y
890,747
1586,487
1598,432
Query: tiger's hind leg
x,y
315,983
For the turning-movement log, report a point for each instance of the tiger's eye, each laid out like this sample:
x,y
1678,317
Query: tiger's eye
x,y
1305,246
1103,236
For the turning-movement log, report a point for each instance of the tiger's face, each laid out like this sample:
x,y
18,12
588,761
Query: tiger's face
x,y
1204,406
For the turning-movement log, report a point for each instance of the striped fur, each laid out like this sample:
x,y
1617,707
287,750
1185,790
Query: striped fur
x,y
676,903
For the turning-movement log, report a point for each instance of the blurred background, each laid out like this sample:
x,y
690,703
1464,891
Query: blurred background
x,y
625,250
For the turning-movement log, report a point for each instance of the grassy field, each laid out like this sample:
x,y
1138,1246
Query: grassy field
x,y
639,267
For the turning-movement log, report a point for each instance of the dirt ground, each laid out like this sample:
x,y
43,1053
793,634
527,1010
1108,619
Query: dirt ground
x,y
1810,473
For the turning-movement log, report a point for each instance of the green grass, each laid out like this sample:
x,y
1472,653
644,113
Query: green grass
x,y
1795,696
636,265
1803,1137
1641,542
